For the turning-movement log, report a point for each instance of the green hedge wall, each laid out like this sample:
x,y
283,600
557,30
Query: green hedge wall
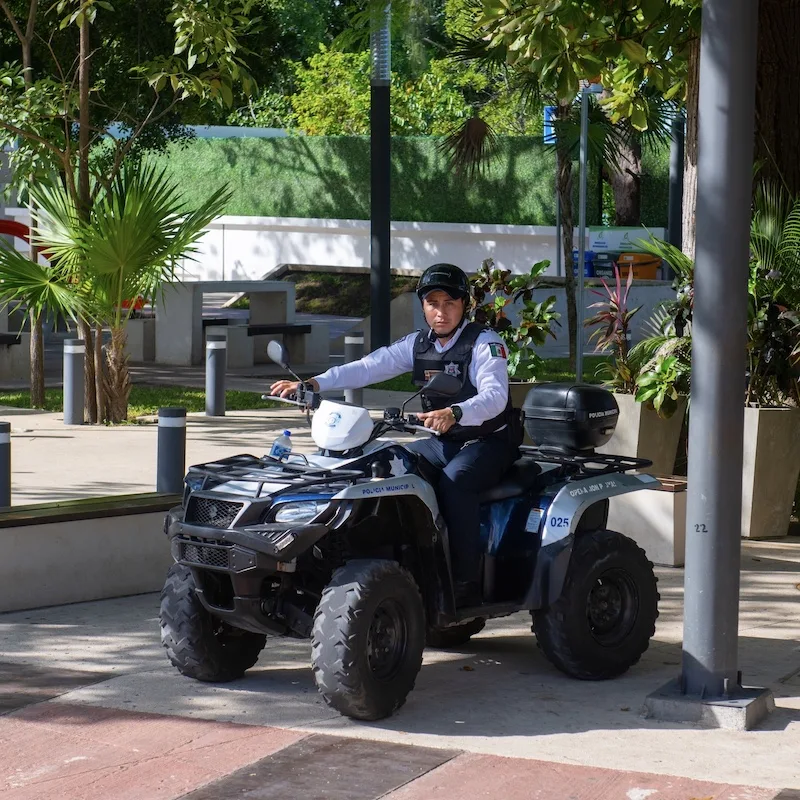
x,y
328,176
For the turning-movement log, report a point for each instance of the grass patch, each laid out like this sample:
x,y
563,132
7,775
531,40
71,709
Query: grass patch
x,y
146,400
555,369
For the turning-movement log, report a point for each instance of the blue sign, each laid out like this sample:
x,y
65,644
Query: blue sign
x,y
549,124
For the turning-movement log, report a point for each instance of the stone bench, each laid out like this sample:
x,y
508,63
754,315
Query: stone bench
x,y
87,549
305,343
655,519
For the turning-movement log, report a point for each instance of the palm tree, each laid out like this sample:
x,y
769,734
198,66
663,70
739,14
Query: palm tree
x,y
45,290
137,231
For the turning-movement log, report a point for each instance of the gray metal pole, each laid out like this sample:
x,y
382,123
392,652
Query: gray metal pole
x,y
724,180
171,450
582,230
216,366
675,218
74,365
353,350
5,464
380,179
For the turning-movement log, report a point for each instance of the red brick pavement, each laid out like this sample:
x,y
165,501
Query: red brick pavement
x,y
56,751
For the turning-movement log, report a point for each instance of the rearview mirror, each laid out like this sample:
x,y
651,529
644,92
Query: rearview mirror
x,y
443,384
277,353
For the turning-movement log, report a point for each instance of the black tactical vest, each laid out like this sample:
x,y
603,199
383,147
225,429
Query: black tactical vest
x,y
455,361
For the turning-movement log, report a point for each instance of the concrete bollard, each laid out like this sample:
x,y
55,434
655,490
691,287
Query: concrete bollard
x,y
171,450
5,464
74,365
216,367
353,350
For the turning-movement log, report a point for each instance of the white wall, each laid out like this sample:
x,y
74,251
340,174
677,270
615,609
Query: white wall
x,y
248,248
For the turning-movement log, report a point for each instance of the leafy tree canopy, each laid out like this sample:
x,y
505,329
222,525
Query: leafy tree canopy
x,y
625,45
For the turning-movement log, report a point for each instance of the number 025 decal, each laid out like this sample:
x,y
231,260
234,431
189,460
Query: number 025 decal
x,y
559,522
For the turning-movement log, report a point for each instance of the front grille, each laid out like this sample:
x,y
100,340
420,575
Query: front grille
x,y
211,513
206,555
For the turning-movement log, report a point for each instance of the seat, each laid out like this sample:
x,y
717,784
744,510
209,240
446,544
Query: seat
x,y
521,477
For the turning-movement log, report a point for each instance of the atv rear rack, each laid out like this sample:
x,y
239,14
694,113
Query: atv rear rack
x,y
587,465
267,469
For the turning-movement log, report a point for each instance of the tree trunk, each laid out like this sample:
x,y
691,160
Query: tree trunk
x,y
564,187
690,150
83,119
37,360
100,377
627,183
89,394
117,379
37,332
777,99
93,412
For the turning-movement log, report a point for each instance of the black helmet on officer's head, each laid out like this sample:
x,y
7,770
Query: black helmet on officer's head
x,y
445,277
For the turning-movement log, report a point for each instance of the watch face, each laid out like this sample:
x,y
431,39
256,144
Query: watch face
x,y
456,413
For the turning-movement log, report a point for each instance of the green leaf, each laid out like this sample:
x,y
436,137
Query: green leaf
x,y
651,9
639,117
634,51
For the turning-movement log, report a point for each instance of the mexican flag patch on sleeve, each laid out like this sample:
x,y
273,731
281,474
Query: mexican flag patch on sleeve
x,y
497,350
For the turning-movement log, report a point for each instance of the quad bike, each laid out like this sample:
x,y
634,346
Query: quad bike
x,y
348,548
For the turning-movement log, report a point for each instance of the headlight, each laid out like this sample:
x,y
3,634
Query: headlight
x,y
194,481
300,512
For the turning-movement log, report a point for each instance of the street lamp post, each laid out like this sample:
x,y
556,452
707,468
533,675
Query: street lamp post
x,y
380,179
586,90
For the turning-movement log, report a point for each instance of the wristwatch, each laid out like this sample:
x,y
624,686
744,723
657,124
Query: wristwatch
x,y
457,413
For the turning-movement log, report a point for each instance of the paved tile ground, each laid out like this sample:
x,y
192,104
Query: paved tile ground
x,y
68,752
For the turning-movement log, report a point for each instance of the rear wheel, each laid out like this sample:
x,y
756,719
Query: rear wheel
x,y
368,638
198,644
455,636
605,617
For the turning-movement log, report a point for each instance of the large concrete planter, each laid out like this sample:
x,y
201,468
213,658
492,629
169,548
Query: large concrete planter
x,y
642,433
770,470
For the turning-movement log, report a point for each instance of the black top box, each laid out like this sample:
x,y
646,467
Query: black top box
x,y
570,418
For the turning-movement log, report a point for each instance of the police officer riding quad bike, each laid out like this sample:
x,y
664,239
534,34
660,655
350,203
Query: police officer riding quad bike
x,y
347,547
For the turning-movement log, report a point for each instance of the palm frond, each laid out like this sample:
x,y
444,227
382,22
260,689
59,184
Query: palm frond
x,y
42,288
469,148
681,264
604,138
477,51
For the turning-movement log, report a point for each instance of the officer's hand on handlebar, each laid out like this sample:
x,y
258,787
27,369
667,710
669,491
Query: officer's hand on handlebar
x,y
440,421
288,388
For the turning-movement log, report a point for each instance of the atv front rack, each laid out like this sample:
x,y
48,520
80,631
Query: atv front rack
x,y
267,469
586,465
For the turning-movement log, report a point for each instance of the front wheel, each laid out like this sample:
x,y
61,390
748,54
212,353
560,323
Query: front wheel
x,y
605,617
198,644
368,638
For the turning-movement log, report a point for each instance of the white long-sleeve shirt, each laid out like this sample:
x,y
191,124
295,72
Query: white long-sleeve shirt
x,y
488,372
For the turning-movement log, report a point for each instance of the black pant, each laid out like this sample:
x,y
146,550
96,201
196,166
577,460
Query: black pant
x,y
467,470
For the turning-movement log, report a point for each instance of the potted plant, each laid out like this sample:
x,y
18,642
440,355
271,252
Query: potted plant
x,y
648,426
771,457
498,295
771,462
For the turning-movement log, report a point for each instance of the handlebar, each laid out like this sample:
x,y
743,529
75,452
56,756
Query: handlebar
x,y
308,399
304,398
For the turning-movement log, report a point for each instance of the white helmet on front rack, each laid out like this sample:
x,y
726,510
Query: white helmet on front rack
x,y
339,427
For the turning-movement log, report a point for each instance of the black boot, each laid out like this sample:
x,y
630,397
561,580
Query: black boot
x,y
467,594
